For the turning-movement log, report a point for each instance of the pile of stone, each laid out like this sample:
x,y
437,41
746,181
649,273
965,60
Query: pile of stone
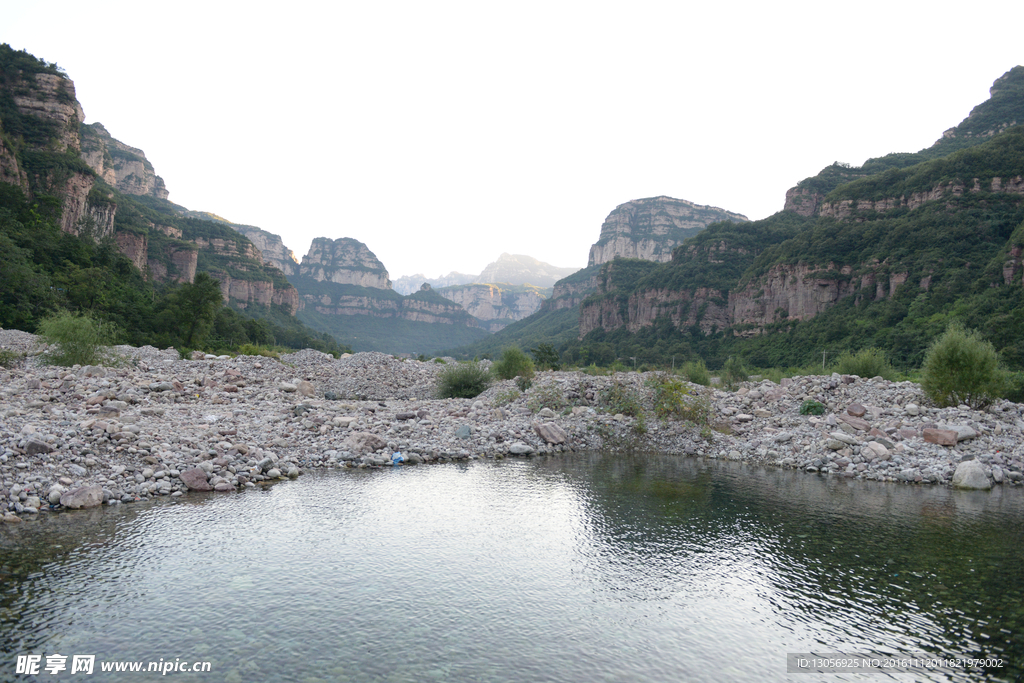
x,y
157,425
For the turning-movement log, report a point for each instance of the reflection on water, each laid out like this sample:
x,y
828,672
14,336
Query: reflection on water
x,y
603,568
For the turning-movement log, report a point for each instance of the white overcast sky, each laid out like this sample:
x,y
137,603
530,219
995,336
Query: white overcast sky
x,y
442,134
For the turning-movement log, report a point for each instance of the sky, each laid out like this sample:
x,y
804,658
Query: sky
x,y
442,134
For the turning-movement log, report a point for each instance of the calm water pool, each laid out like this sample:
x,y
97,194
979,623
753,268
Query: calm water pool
x,y
590,568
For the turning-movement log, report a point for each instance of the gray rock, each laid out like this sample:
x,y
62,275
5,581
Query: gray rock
x,y
84,497
971,475
274,473
77,470
287,388
463,432
546,413
36,447
161,386
520,448
305,388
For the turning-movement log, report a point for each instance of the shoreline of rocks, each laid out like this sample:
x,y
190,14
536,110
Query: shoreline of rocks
x,y
155,425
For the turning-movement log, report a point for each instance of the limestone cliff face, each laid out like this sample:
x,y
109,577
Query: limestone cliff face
x,y
52,98
494,306
263,293
803,201
134,246
387,304
122,167
651,228
844,209
785,292
345,261
10,171
271,247
183,261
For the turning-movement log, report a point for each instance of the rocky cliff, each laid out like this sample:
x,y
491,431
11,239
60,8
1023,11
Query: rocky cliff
x,y
651,228
344,261
271,247
496,305
122,167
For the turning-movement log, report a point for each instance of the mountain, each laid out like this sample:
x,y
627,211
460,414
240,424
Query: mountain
x,y
647,229
519,269
407,284
651,228
86,225
884,255
508,269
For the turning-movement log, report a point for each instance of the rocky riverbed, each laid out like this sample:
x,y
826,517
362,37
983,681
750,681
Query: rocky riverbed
x,y
155,425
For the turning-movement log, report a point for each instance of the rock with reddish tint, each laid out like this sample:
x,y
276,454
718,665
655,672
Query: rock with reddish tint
x,y
550,432
195,479
305,388
84,497
855,422
942,437
856,410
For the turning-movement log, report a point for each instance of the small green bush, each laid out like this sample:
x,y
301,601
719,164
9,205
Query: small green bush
x,y
547,396
78,339
619,398
546,357
506,397
812,407
670,396
733,372
962,368
462,380
523,383
9,357
513,363
865,363
697,372
257,350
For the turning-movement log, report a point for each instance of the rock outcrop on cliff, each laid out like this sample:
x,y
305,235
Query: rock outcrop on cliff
x,y
650,229
496,305
407,284
122,167
344,261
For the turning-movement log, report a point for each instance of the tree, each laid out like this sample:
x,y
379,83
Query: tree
x,y
191,310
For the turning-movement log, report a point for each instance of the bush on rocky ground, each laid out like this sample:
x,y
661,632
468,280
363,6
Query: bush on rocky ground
x,y
697,372
76,339
962,368
513,363
462,380
865,363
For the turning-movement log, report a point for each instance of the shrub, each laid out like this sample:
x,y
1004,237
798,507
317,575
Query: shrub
x,y
513,363
961,367
734,372
78,339
257,350
812,407
462,380
547,396
697,372
9,357
546,357
865,363
670,395
506,397
523,383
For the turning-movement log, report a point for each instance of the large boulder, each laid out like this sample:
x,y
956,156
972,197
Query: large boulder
x,y
364,442
83,497
195,479
550,432
971,475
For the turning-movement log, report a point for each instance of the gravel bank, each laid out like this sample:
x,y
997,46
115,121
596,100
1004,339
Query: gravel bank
x,y
160,426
